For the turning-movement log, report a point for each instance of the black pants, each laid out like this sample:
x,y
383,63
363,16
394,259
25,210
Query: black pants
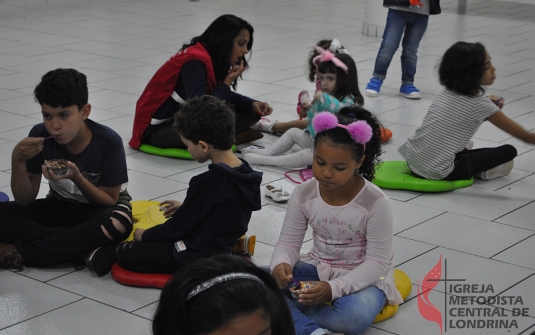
x,y
51,231
165,136
471,162
147,257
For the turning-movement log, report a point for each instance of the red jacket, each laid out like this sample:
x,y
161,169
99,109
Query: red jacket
x,y
162,85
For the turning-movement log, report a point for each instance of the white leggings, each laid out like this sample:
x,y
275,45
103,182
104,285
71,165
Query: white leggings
x,y
270,155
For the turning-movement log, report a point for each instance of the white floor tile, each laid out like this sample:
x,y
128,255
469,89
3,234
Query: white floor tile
x,y
457,232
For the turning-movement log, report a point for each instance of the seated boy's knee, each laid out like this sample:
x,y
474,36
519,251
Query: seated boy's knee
x,y
119,225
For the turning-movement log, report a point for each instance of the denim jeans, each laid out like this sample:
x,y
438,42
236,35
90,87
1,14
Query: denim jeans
x,y
351,314
412,27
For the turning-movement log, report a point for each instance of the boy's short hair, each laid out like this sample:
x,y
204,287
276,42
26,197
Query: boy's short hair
x,y
62,88
206,119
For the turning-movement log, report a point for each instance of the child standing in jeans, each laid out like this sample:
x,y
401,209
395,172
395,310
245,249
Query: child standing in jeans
x,y
409,21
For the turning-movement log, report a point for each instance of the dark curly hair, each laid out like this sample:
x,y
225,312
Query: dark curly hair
x,y
346,83
324,44
216,306
218,39
206,119
62,88
462,67
340,136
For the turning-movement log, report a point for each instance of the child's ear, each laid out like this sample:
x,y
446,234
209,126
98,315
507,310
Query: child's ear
x,y
361,160
204,146
86,110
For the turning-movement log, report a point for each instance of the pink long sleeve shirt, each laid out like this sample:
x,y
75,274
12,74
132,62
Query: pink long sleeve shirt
x,y
352,243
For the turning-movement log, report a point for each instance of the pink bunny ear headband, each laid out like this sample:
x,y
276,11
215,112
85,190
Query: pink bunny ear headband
x,y
360,130
325,56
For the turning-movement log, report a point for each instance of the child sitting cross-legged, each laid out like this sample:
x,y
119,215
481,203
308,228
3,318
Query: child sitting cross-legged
x,y
218,204
350,263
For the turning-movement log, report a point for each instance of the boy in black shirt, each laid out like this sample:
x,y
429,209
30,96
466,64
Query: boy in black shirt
x,y
218,204
87,206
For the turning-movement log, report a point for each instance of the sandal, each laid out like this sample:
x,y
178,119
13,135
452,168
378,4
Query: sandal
x,y
277,194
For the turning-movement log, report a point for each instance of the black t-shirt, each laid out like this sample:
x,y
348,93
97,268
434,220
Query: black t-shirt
x,y
103,162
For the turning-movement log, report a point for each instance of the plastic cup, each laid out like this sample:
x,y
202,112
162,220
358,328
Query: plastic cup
x,y
58,166
154,215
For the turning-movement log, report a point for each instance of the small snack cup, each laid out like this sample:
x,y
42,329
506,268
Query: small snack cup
x,y
296,291
154,214
58,166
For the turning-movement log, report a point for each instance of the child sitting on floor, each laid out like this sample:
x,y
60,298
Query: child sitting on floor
x,y
337,74
350,263
218,204
87,207
440,147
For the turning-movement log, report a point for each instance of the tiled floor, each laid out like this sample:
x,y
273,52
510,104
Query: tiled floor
x,y
484,234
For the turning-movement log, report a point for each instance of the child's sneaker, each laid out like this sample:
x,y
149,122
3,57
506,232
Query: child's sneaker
x,y
374,87
264,125
469,145
498,171
101,260
245,245
409,91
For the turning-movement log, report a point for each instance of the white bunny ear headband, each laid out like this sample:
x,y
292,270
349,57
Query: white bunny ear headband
x,y
336,46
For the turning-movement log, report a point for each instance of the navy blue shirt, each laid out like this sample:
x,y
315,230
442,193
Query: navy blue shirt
x,y
102,162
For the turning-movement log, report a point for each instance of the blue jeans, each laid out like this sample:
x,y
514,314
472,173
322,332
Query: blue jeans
x,y
412,27
351,314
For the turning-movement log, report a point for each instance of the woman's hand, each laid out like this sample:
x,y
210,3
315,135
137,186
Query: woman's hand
x,y
318,294
169,207
234,73
282,274
262,108
138,234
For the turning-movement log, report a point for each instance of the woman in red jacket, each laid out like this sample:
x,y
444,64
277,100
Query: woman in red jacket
x,y
210,64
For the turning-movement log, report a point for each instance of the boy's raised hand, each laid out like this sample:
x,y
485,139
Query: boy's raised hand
x,y
27,148
169,207
282,274
319,294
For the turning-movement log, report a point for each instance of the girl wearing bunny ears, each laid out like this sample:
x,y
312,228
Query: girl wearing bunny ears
x,y
350,263
337,74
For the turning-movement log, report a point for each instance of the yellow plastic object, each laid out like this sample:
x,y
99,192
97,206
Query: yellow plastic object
x,y
139,211
404,286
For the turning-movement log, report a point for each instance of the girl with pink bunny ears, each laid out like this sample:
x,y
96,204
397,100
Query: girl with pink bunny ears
x,y
350,263
337,74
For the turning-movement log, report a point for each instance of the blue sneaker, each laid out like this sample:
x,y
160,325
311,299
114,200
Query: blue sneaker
x,y
409,91
374,87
